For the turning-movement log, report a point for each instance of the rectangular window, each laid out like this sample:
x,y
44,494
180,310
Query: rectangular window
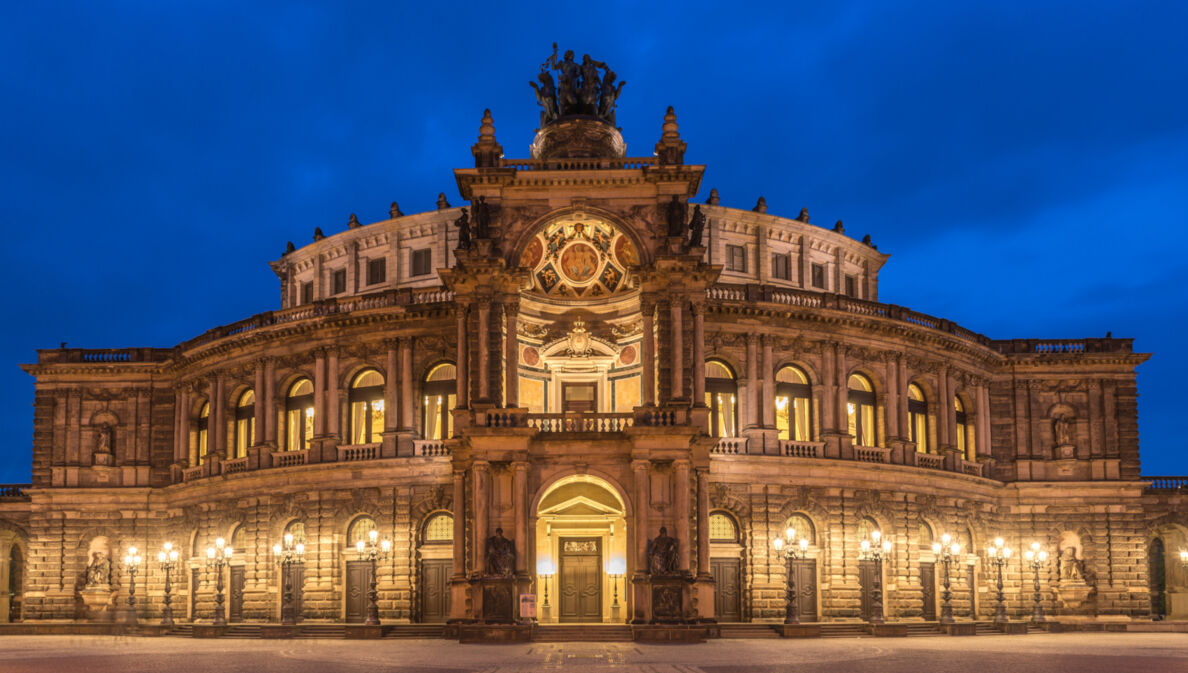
x,y
307,293
819,276
377,271
781,267
338,281
422,262
851,286
736,258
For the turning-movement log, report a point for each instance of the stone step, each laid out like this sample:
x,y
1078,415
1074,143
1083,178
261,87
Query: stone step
x,y
845,630
745,630
583,633
414,631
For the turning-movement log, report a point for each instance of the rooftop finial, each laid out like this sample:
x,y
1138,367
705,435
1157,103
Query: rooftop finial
x,y
670,149
487,152
803,216
442,204
289,247
839,227
713,197
760,205
394,211
353,222
318,235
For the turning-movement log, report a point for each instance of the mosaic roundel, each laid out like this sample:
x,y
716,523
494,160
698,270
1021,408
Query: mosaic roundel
x,y
579,257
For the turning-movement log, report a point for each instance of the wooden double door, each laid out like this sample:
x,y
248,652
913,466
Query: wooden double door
x,y
358,582
237,580
928,590
727,574
579,585
435,589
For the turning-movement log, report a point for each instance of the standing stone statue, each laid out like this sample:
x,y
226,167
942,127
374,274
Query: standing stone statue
x,y
99,570
696,227
663,559
1072,569
591,84
610,96
501,555
482,218
676,217
103,441
463,224
1062,431
546,97
570,72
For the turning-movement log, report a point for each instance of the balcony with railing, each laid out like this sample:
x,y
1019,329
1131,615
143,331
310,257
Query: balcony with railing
x,y
14,492
1167,484
737,446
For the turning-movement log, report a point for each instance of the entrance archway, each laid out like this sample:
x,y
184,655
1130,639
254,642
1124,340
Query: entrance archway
x,y
581,551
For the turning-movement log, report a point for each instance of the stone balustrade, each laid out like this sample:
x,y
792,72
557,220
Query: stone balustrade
x,y
354,452
14,491
290,458
581,422
1166,483
430,448
794,449
872,454
730,446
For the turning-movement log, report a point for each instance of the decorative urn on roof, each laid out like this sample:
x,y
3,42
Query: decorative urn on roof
x,y
577,117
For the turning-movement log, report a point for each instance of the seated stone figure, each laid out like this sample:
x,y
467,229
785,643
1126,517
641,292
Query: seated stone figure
x,y
663,559
501,555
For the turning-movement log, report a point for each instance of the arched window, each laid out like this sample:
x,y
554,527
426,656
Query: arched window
x,y
440,391
439,529
721,396
360,529
722,528
867,527
963,444
299,415
245,423
860,409
803,526
926,537
367,407
239,540
918,418
297,530
792,404
203,431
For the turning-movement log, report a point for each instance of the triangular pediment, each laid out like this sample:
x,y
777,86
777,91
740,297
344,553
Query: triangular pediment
x,y
580,506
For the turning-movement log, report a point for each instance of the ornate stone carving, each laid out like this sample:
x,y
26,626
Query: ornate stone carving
x,y
99,570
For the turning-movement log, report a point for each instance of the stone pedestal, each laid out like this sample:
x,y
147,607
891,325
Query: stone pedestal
x,y
363,631
798,630
497,600
670,600
99,603
960,629
1074,598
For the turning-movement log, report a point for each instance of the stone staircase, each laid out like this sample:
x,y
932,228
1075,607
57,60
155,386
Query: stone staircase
x,y
243,631
414,631
843,629
923,629
183,630
321,631
747,630
601,633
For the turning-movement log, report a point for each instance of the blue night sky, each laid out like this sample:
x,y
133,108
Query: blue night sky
x,y
1025,164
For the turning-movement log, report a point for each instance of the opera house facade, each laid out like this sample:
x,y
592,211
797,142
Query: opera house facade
x,y
591,395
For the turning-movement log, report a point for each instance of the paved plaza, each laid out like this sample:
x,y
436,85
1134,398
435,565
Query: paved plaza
x,y
1035,653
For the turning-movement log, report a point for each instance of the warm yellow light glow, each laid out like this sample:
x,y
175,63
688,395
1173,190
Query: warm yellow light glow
x,y
359,546
378,405
276,549
1029,555
955,549
168,546
386,546
803,544
228,551
220,543
850,407
210,552
778,543
373,534
886,545
875,535
946,539
781,403
300,547
866,545
936,548
160,557
1035,546
1043,556
288,539
309,412
998,542
790,533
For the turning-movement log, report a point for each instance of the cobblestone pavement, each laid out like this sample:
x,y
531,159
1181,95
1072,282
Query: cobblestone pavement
x,y
1034,653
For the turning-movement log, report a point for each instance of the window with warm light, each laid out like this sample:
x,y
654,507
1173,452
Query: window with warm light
x,y
440,397
299,415
803,526
721,396
245,423
860,410
239,538
722,528
360,530
297,530
203,426
439,529
792,404
367,408
918,418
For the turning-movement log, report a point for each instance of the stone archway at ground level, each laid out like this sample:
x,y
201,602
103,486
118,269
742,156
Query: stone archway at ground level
x,y
1167,577
581,551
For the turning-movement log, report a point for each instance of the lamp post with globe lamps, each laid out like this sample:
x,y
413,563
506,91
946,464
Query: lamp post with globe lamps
x,y
946,550
874,550
289,554
371,552
616,569
793,550
217,558
545,570
167,559
997,554
132,563
1036,558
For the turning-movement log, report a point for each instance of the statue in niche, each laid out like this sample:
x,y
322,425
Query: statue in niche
x,y
696,227
482,218
676,217
501,555
663,560
463,224
1062,430
103,440
1072,569
99,570
546,97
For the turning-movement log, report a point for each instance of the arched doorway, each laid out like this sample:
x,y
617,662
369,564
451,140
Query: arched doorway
x,y
12,572
1157,571
581,551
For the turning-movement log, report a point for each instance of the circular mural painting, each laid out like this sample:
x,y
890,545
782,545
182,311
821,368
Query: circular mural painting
x,y
627,355
530,356
577,256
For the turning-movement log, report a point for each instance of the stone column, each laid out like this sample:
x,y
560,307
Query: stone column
x,y
511,384
647,356
828,391
639,470
520,508
698,354
767,404
676,316
944,410
260,406
892,411
391,411
484,349
181,427
406,384
752,390
703,508
319,393
843,392
270,411
462,382
216,427
982,438
459,512
682,493
333,397
902,411
482,473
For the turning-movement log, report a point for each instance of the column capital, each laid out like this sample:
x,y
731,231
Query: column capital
x,y
697,306
640,465
520,465
682,463
481,465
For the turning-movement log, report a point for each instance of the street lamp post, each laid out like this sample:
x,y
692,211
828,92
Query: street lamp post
x,y
998,554
216,559
288,555
875,549
1037,558
132,563
946,550
167,559
616,569
544,570
793,551
371,552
